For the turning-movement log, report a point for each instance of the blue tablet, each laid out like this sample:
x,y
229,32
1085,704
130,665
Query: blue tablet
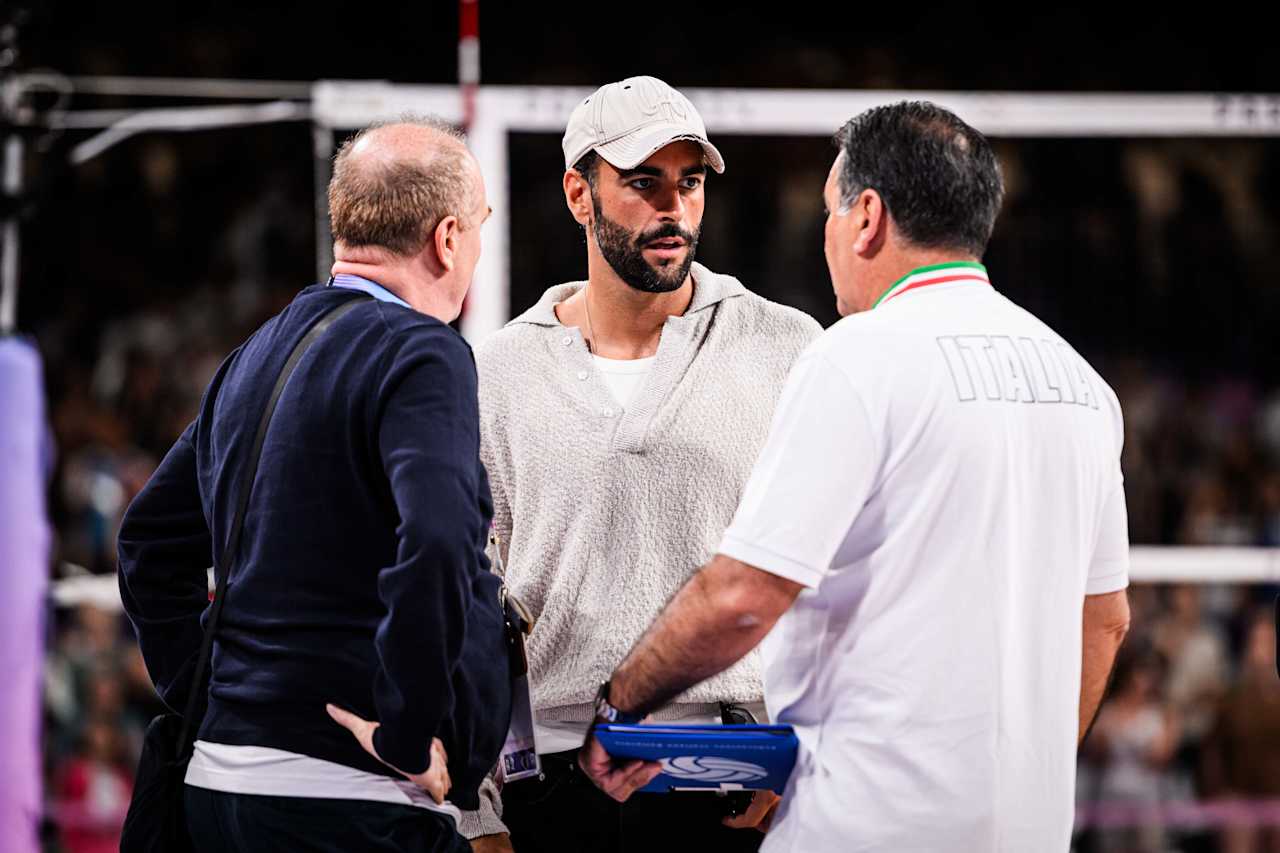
x,y
707,758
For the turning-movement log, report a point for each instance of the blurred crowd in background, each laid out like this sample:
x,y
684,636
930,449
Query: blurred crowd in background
x,y
144,268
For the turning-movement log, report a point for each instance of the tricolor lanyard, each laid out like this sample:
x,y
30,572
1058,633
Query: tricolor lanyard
x,y
959,271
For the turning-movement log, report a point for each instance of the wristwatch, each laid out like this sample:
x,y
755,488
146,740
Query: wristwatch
x,y
608,713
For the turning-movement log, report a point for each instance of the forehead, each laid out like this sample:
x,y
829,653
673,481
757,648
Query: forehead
x,y
475,174
482,198
677,155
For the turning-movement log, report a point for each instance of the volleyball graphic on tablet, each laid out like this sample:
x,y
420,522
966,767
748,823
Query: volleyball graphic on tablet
x,y
711,768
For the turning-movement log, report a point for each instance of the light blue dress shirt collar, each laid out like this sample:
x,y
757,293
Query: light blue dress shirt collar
x,y
377,291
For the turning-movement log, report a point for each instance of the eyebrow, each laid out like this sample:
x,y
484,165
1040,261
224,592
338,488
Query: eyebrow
x,y
651,172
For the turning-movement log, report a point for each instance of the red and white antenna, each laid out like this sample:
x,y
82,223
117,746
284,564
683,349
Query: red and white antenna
x,y
468,58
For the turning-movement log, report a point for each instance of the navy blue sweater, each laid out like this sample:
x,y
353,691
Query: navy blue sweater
x,y
361,578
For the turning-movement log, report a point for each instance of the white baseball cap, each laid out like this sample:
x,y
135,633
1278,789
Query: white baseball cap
x,y
627,121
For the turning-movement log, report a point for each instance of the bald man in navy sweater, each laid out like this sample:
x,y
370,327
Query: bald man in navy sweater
x,y
359,685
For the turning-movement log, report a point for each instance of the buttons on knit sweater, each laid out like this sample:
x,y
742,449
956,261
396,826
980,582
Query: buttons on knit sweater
x,y
567,340
582,374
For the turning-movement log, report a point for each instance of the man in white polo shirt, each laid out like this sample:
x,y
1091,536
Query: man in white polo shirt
x,y
938,512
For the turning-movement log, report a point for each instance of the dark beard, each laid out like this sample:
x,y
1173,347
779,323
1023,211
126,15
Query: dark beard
x,y
625,253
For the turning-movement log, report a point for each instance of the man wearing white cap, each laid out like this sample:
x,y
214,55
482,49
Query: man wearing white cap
x,y
620,418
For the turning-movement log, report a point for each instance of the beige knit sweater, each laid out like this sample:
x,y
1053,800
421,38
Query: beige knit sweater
x,y
605,513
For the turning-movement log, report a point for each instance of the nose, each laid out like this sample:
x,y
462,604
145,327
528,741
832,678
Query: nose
x,y
670,205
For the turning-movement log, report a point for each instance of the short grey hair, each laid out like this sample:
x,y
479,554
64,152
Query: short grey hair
x,y
938,177
396,204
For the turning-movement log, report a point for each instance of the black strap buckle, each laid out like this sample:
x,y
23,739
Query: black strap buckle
x,y
518,623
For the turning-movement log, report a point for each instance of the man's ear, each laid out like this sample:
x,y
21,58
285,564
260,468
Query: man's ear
x,y
871,221
445,241
577,196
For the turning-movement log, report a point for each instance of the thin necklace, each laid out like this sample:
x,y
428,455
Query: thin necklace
x,y
591,332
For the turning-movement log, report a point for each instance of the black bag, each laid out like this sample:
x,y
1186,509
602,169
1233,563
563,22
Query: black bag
x,y
156,821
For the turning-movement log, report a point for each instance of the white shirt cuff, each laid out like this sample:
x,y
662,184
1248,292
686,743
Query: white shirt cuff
x,y
770,561
1113,582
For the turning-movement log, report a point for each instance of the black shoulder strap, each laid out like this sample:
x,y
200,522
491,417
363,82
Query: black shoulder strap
x,y
237,522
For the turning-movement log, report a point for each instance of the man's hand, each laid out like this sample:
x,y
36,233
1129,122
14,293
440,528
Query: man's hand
x,y
759,814
434,780
497,843
618,779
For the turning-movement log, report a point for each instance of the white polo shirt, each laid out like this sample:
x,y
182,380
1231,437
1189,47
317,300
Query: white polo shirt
x,y
943,475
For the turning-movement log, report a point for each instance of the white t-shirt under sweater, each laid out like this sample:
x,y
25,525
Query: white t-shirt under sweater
x,y
276,772
943,476
623,377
